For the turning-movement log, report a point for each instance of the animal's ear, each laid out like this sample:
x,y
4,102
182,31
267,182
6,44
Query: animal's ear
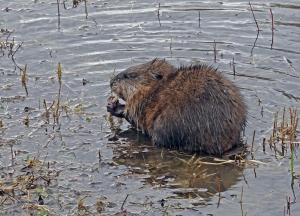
x,y
156,75
153,61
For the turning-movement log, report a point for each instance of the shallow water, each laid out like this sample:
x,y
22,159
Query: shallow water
x,y
119,34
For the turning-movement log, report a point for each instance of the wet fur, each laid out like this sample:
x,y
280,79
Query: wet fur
x,y
193,109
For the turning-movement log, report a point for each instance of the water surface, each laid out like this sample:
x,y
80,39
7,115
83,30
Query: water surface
x,y
119,34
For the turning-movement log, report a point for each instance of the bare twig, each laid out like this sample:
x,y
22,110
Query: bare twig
x,y
233,66
24,78
252,156
85,9
272,18
99,155
64,4
12,48
158,14
59,75
58,14
218,179
241,201
122,207
12,154
47,113
171,46
254,16
199,20
254,44
288,209
242,193
13,56
215,51
8,37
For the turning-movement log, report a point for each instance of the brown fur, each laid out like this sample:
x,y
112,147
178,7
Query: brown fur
x,y
193,109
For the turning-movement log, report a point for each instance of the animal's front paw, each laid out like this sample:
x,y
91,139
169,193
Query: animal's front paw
x,y
114,107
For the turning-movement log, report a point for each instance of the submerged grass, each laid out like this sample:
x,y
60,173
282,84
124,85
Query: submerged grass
x,y
284,132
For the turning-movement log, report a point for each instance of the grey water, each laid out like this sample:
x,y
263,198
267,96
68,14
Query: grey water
x,y
116,35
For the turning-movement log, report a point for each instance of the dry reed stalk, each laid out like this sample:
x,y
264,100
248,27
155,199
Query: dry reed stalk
x,y
58,14
272,18
215,51
233,66
24,79
158,14
254,16
59,76
252,145
85,9
199,20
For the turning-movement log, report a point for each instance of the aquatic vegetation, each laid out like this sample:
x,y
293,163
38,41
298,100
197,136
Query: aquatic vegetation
x,y
26,184
284,132
9,47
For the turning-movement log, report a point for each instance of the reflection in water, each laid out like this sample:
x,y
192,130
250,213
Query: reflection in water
x,y
187,175
290,6
288,95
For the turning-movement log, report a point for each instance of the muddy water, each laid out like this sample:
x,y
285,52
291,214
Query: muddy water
x,y
119,34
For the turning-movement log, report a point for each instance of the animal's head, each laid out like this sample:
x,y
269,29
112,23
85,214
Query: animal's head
x,y
126,83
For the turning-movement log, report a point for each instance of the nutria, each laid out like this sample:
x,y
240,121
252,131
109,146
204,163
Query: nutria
x,y
193,109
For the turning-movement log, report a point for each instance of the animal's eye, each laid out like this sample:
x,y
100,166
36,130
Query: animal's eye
x,y
157,76
130,75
